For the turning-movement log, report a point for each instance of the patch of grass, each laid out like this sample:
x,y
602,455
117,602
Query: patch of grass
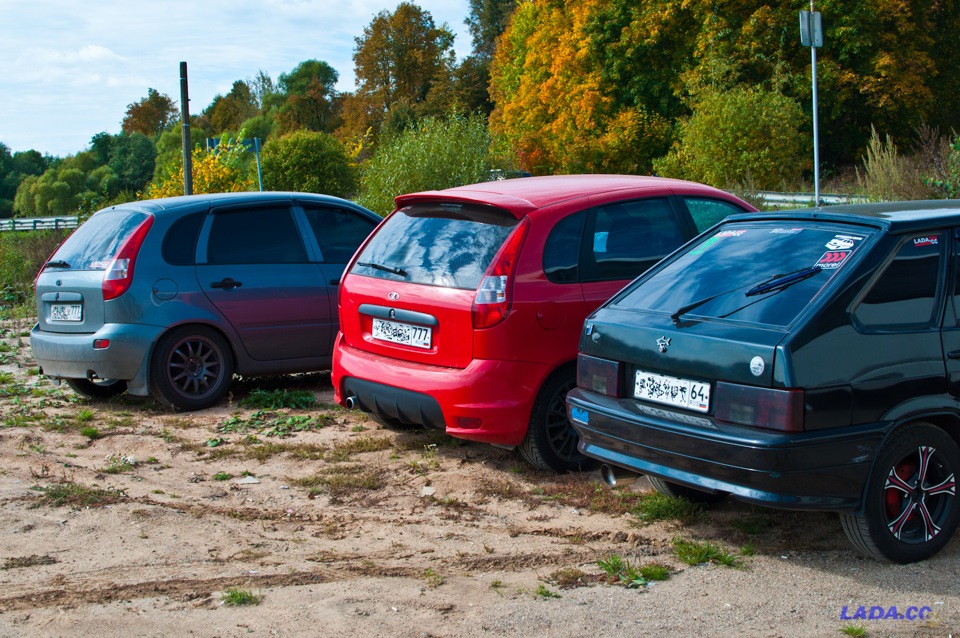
x,y
118,464
85,415
543,592
427,461
28,561
276,399
222,476
91,432
619,571
568,578
654,506
76,495
655,572
592,496
433,579
853,630
496,585
699,552
236,597
342,481
266,424
6,378
359,445
753,523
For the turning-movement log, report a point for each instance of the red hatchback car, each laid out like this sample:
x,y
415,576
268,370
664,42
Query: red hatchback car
x,y
463,309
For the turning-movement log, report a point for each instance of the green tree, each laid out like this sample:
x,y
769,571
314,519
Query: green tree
x,y
14,168
227,112
398,60
308,162
71,186
738,136
151,115
439,153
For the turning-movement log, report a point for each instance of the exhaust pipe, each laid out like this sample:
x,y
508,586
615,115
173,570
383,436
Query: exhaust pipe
x,y
351,402
616,476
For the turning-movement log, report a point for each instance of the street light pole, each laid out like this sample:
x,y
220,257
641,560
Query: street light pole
x,y
811,34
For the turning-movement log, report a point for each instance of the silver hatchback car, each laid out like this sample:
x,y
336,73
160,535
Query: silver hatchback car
x,y
173,296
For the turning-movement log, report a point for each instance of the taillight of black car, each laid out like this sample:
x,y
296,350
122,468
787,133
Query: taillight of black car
x,y
769,408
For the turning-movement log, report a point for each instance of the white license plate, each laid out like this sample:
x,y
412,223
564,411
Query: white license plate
x,y
680,393
404,333
66,312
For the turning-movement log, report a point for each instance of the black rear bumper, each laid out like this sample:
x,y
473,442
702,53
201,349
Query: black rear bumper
x,y
406,406
821,470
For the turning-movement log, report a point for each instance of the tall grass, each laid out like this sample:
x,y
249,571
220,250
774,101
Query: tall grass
x,y
889,175
22,253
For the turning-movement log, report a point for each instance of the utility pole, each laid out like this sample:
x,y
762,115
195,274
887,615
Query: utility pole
x,y
185,120
811,35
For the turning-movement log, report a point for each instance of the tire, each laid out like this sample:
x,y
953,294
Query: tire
x,y
98,388
910,507
668,488
551,442
191,369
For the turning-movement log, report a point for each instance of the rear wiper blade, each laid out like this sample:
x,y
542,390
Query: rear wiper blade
x,y
57,263
395,271
783,281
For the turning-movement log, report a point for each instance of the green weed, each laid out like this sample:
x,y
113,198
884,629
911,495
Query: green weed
x,y
276,399
240,597
654,506
697,553
543,592
76,495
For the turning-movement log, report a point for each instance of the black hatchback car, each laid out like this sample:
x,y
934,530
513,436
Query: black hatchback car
x,y
806,360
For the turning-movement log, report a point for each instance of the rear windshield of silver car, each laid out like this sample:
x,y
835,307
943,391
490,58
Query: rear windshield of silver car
x,y
449,245
98,240
754,272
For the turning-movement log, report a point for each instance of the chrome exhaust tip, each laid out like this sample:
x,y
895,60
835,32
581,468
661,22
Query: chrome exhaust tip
x,y
351,402
616,476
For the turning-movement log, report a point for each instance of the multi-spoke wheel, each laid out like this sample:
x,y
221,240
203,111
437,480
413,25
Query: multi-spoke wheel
x,y
551,442
191,368
910,509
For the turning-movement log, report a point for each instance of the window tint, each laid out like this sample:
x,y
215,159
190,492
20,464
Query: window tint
x,y
338,231
94,245
446,245
906,292
561,253
255,236
757,272
707,212
629,237
180,243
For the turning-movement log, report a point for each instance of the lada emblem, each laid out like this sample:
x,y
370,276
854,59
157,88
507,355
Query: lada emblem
x,y
393,296
663,343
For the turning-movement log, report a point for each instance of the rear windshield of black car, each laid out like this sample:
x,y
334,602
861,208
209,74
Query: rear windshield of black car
x,y
755,272
98,240
437,245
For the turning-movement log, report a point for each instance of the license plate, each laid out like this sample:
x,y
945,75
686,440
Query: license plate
x,y
680,393
66,312
404,333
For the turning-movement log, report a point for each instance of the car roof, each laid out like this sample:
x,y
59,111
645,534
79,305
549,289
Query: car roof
x,y
207,200
895,217
524,195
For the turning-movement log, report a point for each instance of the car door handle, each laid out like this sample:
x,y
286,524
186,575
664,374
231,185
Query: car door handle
x,y
953,355
226,284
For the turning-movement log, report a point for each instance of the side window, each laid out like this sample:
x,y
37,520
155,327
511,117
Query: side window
x,y
629,237
339,232
707,212
179,246
561,253
905,294
255,236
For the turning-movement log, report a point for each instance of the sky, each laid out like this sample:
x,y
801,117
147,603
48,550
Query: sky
x,y
70,69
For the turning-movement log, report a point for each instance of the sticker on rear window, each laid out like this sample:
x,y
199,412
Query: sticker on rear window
x,y
843,242
730,233
786,231
833,259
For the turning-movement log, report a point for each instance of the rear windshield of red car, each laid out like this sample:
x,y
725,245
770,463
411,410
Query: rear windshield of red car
x,y
755,272
98,240
436,245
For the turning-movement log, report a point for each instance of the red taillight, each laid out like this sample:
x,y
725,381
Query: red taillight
x,y
493,299
598,375
769,408
119,274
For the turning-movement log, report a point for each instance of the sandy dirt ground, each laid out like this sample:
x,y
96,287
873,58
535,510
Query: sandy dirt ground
x,y
261,518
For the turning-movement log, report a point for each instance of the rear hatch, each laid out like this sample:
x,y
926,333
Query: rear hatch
x,y
70,287
409,293
711,319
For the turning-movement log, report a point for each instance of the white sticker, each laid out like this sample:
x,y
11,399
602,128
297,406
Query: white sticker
x,y
757,366
839,243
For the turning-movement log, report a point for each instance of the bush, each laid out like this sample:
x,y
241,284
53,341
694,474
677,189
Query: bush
x,y
223,170
308,162
21,256
746,134
946,183
436,154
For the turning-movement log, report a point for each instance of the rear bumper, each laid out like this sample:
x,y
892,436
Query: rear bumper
x,y
488,401
821,470
72,356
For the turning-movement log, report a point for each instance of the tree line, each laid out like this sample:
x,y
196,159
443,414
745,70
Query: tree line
x,y
715,92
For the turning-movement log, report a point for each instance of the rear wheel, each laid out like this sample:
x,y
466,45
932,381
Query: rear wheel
x,y
910,507
668,488
98,388
551,442
191,368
